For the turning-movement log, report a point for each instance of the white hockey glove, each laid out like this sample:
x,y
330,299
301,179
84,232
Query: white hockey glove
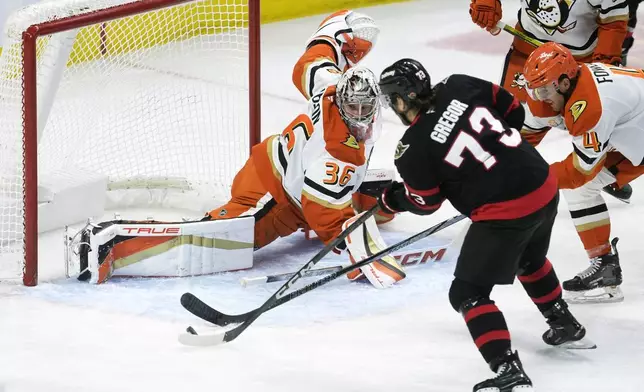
x,y
364,242
159,249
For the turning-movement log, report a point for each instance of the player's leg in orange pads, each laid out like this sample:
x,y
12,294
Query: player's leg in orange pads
x,y
250,197
590,216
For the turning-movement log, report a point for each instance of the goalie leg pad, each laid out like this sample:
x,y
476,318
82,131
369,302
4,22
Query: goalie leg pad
x,y
366,241
163,249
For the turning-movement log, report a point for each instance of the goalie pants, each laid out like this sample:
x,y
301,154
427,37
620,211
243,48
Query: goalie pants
x,y
494,252
275,216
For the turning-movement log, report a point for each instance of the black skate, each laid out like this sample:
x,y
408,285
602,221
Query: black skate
x,y
599,282
622,194
510,376
565,331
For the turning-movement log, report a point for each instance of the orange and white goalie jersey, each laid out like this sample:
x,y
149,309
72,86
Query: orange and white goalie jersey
x,y
576,23
604,113
320,164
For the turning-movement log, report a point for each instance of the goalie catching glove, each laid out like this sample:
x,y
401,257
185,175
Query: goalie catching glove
x,y
364,242
353,32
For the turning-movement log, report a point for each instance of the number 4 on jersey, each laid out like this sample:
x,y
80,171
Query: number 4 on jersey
x,y
465,141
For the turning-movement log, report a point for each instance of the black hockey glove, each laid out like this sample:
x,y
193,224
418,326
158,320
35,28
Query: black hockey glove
x,y
395,199
390,196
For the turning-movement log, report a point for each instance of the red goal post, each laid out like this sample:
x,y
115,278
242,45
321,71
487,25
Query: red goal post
x,y
30,108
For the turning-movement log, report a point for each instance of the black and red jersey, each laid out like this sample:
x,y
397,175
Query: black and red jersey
x,y
467,149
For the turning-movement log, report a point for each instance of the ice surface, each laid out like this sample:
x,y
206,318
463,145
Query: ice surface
x,y
63,336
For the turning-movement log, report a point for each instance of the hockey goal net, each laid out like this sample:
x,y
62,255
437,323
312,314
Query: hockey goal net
x,y
105,102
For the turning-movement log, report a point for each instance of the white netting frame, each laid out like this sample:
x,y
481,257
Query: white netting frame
x,y
191,87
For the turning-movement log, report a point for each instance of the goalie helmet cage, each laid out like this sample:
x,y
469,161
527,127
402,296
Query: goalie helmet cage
x,y
129,33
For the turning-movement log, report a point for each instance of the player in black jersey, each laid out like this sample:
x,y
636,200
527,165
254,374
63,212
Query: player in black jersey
x,y
462,145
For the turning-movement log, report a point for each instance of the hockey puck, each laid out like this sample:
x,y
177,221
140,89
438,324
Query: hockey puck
x,y
191,331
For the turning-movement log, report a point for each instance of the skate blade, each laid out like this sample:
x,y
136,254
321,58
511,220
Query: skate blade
x,y
582,344
594,296
518,388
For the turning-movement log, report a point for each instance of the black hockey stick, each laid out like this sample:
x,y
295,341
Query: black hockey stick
x,y
270,302
207,313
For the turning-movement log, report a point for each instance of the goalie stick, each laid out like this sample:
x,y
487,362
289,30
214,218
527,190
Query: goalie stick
x,y
200,309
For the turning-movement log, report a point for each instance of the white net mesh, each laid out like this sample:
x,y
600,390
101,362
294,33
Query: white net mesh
x,y
156,101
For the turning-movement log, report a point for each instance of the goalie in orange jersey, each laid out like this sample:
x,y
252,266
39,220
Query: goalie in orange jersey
x,y
333,49
303,177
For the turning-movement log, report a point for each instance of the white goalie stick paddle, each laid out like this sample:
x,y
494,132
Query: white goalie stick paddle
x,y
200,309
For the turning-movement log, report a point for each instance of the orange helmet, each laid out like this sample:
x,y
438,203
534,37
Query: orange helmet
x,y
547,63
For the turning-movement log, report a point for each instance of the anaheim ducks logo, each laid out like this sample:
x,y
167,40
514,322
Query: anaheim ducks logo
x,y
519,81
577,108
400,149
551,15
351,142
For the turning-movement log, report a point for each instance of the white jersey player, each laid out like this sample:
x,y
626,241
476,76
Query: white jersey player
x,y
602,107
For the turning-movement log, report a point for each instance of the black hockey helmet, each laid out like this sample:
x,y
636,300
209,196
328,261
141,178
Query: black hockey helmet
x,y
408,79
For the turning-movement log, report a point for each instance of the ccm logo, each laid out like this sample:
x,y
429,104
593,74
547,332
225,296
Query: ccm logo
x,y
152,230
420,257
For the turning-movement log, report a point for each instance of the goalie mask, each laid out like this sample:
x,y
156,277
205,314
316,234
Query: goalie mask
x,y
357,95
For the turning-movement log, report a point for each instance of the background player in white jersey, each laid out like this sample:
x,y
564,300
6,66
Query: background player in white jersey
x,y
305,176
602,107
593,30
632,23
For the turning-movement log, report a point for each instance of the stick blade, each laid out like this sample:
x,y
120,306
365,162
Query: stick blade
x,y
192,339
